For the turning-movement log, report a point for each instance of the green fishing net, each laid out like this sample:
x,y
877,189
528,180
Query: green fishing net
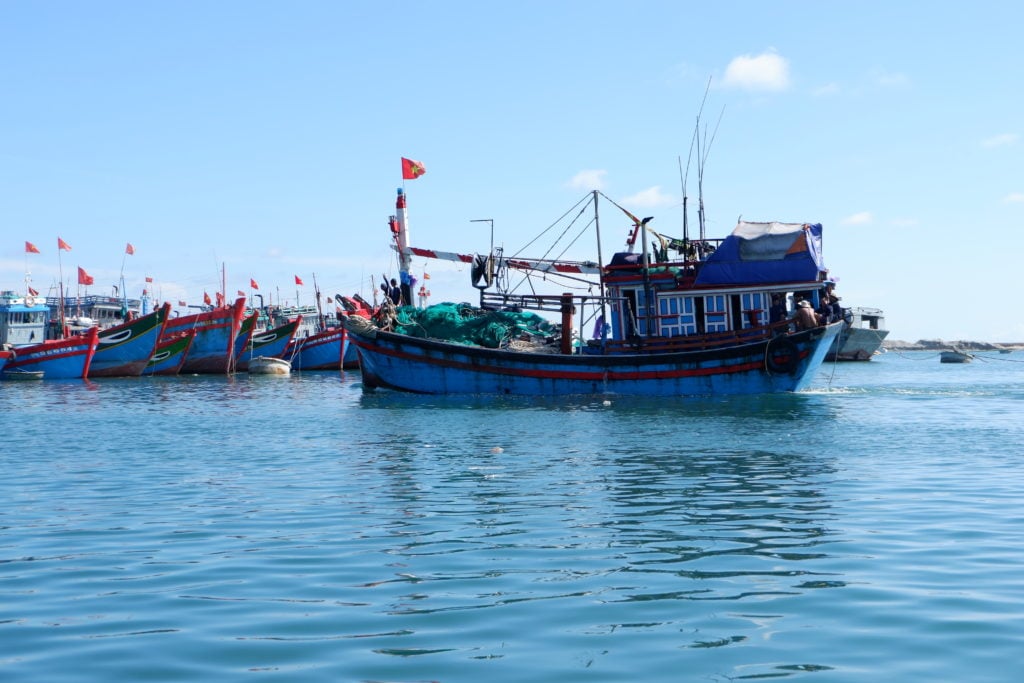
x,y
466,324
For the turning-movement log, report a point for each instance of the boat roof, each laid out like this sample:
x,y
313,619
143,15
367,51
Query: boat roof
x,y
764,253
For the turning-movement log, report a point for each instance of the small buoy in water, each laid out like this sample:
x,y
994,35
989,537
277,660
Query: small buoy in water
x,y
497,449
606,402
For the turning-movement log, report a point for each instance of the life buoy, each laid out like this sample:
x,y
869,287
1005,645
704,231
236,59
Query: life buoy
x,y
780,356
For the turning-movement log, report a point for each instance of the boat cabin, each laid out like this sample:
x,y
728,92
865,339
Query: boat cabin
x,y
729,289
23,320
98,310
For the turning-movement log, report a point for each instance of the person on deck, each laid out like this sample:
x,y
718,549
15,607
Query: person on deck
x,y
395,292
825,310
805,318
777,311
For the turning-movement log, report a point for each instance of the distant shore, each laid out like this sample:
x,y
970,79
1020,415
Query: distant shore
x,y
943,345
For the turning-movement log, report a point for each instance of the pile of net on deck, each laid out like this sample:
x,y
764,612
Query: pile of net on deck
x,y
466,324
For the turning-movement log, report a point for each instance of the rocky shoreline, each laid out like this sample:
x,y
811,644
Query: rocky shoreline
x,y
942,345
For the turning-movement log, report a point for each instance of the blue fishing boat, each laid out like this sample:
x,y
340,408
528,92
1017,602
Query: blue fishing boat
x,y
266,343
23,325
170,354
56,358
323,350
212,349
699,324
124,349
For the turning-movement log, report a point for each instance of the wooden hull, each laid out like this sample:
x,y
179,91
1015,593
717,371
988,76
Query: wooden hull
x,y
212,349
777,364
124,350
270,343
321,351
56,359
169,355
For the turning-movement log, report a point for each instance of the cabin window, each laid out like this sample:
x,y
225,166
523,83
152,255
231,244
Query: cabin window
x,y
755,309
676,314
716,313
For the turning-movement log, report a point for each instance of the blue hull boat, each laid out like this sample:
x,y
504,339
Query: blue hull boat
x,y
213,346
730,316
124,350
321,351
428,366
56,359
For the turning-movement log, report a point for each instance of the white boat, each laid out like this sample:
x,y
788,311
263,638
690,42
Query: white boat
x,y
265,365
862,335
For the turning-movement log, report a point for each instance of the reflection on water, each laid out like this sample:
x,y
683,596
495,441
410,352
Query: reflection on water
x,y
221,528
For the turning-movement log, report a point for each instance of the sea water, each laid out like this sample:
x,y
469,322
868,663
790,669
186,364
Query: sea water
x,y
298,529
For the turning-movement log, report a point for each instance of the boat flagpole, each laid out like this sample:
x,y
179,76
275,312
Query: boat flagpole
x,y
410,171
600,278
402,243
61,246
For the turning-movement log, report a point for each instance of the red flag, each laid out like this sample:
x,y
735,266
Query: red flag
x,y
412,169
83,277
32,292
220,299
206,299
61,244
130,250
297,280
149,279
182,303
252,283
241,293
30,248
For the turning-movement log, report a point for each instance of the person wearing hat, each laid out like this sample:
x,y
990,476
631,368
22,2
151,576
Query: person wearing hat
x,y
805,317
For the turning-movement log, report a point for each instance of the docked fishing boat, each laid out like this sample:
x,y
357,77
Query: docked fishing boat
x,y
212,349
699,324
56,358
170,354
861,337
125,349
272,343
23,325
323,350
268,365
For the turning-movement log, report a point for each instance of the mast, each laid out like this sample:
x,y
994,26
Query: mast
x,y
319,309
600,262
646,265
402,241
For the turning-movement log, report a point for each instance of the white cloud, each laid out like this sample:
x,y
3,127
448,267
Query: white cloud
x,y
652,197
1000,140
766,71
862,218
588,180
1014,198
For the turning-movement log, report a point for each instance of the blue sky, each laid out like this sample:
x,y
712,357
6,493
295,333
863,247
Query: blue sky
x,y
266,138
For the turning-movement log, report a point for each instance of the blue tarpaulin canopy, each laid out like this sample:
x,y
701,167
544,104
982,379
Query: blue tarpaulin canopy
x,y
763,253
